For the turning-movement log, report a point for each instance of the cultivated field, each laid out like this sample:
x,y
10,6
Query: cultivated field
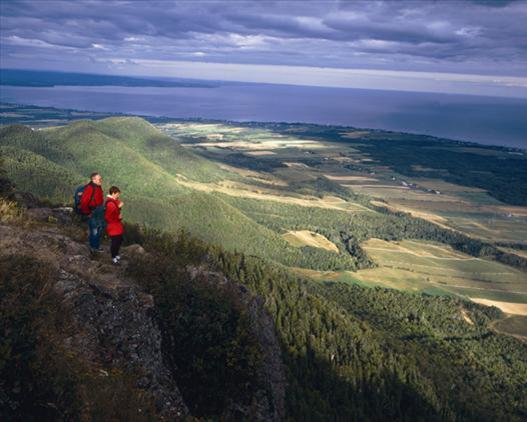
x,y
307,238
421,266
308,196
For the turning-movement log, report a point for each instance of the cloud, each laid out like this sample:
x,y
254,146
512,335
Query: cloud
x,y
469,36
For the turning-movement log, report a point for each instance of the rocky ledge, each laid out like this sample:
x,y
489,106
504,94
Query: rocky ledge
x,y
116,320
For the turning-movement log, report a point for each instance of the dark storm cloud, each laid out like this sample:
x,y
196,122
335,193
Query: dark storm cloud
x,y
459,36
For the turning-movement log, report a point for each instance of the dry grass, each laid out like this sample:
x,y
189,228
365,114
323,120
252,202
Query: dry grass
x,y
350,178
296,165
415,248
465,316
259,153
10,213
262,144
309,238
248,191
507,307
434,218
418,265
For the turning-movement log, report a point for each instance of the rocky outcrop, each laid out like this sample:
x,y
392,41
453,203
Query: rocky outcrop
x,y
114,318
116,326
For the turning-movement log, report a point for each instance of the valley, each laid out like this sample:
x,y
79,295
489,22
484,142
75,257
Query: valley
x,y
418,266
318,199
383,304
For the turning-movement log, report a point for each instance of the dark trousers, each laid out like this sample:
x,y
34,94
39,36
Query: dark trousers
x,y
116,244
95,231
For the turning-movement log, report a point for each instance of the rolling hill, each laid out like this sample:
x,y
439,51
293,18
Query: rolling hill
x,y
148,166
158,338
291,194
349,351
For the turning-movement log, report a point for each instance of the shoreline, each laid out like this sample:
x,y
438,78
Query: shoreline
x,y
161,118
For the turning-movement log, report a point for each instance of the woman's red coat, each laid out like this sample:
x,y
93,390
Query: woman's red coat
x,y
112,215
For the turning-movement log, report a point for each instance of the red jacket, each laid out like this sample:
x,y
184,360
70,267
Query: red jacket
x,y
112,215
91,200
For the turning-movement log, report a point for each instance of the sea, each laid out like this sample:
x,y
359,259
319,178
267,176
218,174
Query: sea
x,y
481,119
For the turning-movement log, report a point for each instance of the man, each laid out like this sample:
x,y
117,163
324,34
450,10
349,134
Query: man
x,y
91,205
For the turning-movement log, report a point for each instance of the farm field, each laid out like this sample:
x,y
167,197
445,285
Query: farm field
x,y
423,265
468,209
407,265
306,238
324,200
432,268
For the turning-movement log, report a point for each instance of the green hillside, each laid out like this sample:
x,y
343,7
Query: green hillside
x,y
144,163
170,187
349,352
362,354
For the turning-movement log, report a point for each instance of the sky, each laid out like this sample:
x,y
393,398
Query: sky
x,y
461,46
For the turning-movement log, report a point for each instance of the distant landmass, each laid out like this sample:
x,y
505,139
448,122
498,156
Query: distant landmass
x,y
485,120
34,78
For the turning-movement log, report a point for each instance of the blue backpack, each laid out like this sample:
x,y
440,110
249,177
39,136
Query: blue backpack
x,y
77,199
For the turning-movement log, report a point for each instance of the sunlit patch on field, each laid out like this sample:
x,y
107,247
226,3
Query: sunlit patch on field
x,y
507,307
267,194
260,153
308,238
421,266
354,134
350,178
296,165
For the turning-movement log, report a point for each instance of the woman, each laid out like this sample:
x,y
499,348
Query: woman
x,y
114,225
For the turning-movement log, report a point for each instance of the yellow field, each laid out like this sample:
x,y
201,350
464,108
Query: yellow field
x,y
261,144
507,307
260,153
296,165
248,191
419,266
349,178
417,248
434,218
308,238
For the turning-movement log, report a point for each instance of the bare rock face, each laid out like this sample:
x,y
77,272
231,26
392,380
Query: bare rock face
x,y
25,199
271,400
116,320
116,328
118,331
51,215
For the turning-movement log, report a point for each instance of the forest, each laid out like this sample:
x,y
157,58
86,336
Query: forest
x,y
350,352
355,353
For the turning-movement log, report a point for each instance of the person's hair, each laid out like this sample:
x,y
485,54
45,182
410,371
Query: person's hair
x,y
92,176
114,189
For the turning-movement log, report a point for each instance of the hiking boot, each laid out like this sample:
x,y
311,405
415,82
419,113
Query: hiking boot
x,y
95,251
115,261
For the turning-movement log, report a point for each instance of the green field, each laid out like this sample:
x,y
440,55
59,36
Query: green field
x,y
423,265
370,305
246,187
